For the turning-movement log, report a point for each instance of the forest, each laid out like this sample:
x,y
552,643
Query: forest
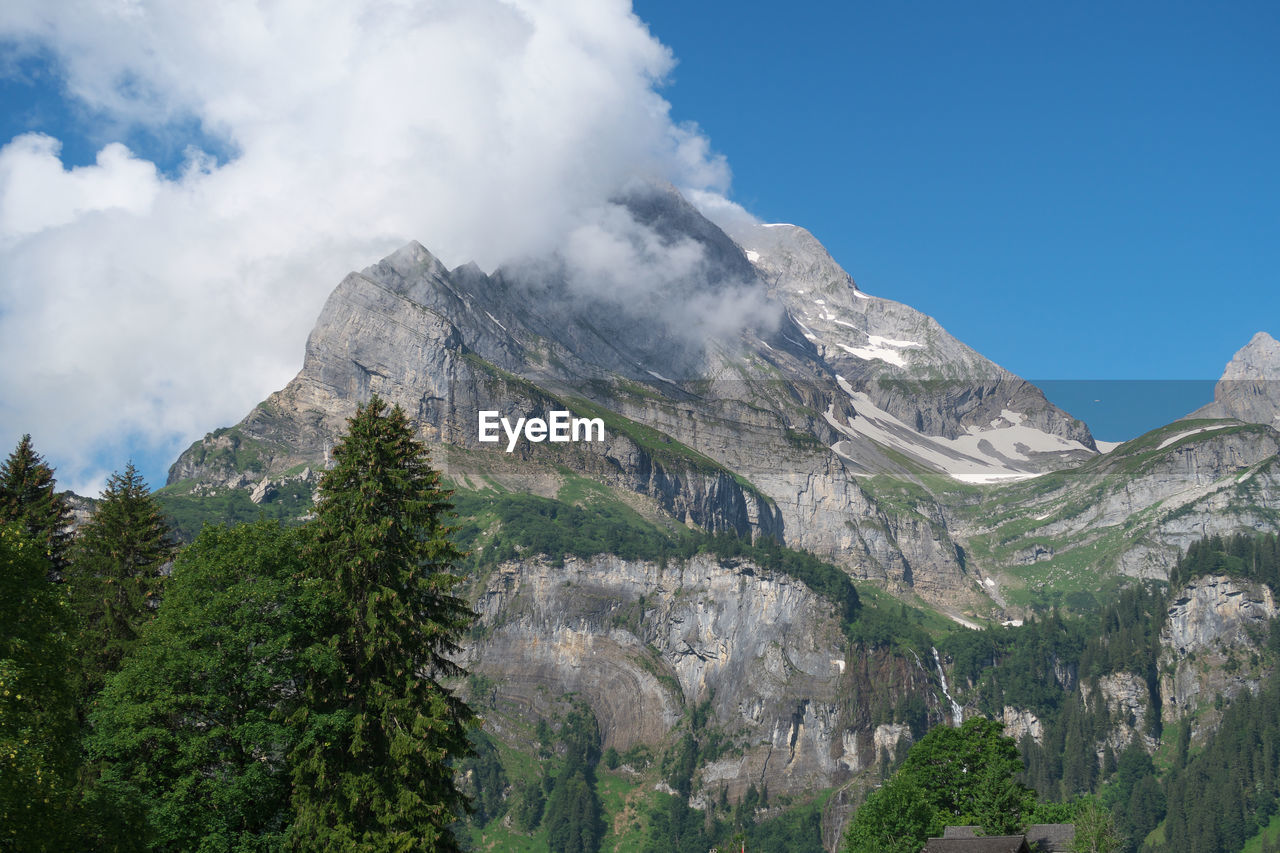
x,y
264,688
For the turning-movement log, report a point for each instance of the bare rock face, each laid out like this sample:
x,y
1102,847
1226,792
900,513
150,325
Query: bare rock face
x,y
1018,723
1249,389
1127,698
642,643
892,739
1208,645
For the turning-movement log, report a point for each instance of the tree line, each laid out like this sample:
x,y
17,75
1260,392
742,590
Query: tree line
x,y
265,688
1210,801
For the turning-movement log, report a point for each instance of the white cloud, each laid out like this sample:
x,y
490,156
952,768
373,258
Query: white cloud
x,y
139,310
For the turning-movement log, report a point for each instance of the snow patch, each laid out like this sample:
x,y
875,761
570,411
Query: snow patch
x,y
776,225
981,456
882,348
883,353
659,376
495,319
754,257
1171,439
880,341
1107,446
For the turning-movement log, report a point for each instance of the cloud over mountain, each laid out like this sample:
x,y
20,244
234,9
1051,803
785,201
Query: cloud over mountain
x,y
139,306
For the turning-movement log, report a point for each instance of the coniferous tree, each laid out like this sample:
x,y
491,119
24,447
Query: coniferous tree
x,y
116,572
38,752
27,498
573,820
373,771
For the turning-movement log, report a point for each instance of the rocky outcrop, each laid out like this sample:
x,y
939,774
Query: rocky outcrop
x,y
1019,723
1126,697
892,740
1249,389
642,643
1209,644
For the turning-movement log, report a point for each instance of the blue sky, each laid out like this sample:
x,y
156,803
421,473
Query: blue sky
x,y
1078,191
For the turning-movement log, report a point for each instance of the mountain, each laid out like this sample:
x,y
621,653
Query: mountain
x,y
767,425
1248,390
753,396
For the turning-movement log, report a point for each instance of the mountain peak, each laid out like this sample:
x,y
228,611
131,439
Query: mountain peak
x,y
411,260
1249,389
1259,360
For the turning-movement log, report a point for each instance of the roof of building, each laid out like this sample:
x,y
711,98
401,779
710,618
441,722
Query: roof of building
x,y
1051,837
987,844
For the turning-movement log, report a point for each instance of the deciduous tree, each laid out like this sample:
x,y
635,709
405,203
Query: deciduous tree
x,y
965,775
189,734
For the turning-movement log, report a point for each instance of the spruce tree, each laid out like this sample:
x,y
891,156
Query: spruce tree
x,y
116,572
28,499
381,728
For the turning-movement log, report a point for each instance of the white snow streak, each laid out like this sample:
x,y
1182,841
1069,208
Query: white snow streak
x,y
982,456
1174,438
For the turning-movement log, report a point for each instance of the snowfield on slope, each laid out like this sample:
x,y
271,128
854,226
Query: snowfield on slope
x,y
982,456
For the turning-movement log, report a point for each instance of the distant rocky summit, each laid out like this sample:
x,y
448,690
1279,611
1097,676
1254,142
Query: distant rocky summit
x,y
1249,389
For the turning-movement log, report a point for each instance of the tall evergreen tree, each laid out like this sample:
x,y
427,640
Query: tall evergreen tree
x,y
573,811
27,498
116,572
373,771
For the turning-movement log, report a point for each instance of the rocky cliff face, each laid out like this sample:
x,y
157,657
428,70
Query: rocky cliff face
x,y
1126,698
903,360
1209,645
644,644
